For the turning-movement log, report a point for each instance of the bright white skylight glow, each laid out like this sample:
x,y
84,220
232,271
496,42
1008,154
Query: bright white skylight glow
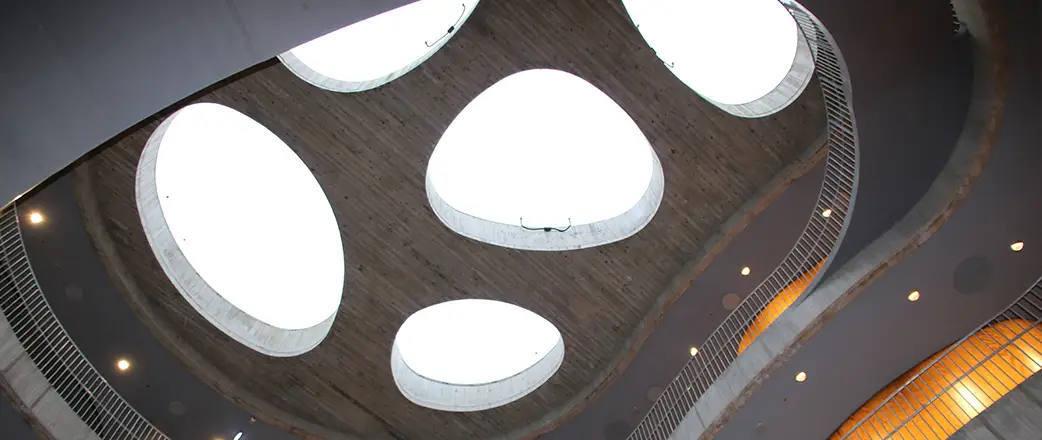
x,y
474,341
729,51
375,50
249,217
544,146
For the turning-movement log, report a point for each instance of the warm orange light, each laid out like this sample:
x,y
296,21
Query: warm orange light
x,y
694,351
801,376
1017,246
914,296
123,365
35,218
949,393
746,270
827,213
777,305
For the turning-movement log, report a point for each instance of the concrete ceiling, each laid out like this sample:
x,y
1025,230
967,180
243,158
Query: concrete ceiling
x,y
369,152
822,405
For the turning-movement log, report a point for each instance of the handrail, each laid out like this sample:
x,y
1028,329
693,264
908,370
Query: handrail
x,y
817,242
49,346
960,382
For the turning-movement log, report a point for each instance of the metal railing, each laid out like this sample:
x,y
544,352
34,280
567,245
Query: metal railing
x,y
963,380
49,346
815,244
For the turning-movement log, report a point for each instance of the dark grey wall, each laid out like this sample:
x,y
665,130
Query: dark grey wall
x,y
911,81
12,427
76,73
966,273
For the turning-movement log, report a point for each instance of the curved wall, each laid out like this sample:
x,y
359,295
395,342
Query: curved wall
x,y
97,68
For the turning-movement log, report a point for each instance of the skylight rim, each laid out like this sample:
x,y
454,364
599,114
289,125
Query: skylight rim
x,y
323,81
227,316
499,220
445,395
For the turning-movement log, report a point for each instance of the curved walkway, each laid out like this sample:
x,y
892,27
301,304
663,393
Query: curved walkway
x,y
966,271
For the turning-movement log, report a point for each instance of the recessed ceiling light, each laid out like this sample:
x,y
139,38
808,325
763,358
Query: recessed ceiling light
x,y
35,218
1017,246
123,365
827,213
801,376
694,351
746,271
914,296
238,436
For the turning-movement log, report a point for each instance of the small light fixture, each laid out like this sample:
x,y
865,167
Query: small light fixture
x,y
238,436
914,296
123,365
827,213
746,271
801,376
35,217
1017,246
694,351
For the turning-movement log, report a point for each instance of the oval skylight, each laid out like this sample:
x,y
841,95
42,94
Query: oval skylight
x,y
242,228
379,49
543,160
732,52
474,354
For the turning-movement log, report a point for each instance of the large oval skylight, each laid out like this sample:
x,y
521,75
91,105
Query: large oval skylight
x,y
242,228
544,160
474,354
379,49
729,51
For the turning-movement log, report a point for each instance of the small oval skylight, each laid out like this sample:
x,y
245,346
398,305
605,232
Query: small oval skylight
x,y
379,49
242,228
543,160
474,354
731,52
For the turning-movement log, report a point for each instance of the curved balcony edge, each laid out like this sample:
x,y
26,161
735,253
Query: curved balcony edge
x,y
43,372
801,269
740,379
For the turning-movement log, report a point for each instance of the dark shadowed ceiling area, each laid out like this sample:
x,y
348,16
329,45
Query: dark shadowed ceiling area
x,y
369,153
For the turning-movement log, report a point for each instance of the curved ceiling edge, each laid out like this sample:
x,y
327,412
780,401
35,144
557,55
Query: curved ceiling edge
x,y
946,194
96,95
163,330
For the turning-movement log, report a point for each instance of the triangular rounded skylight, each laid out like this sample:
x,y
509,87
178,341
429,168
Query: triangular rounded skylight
x,y
732,52
242,228
379,49
474,354
544,160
